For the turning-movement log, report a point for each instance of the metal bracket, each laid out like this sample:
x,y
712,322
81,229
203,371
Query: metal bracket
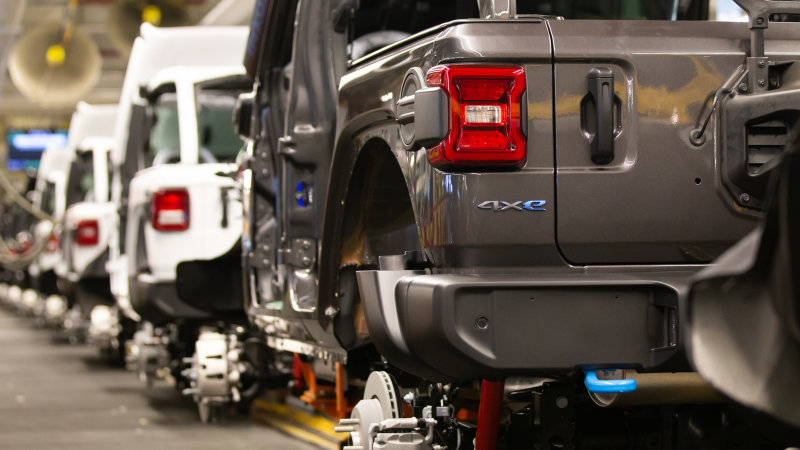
x,y
497,9
759,11
260,257
302,253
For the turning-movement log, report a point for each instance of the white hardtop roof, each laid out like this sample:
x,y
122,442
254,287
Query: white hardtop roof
x,y
54,164
158,48
91,120
193,74
96,144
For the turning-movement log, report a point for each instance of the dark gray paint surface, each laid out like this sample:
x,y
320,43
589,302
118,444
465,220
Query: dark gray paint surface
x,y
454,232
660,199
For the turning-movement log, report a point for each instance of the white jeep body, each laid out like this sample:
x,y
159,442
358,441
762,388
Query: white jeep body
x,y
154,51
88,121
215,210
50,197
99,208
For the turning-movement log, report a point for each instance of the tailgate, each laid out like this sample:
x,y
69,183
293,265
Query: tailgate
x,y
214,217
647,195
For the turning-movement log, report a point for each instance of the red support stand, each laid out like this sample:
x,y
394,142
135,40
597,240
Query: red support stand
x,y
489,414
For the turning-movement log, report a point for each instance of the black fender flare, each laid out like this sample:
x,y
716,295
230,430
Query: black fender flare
x,y
346,154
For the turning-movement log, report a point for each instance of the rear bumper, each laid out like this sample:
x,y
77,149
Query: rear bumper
x,y
158,302
214,285
46,282
469,326
91,292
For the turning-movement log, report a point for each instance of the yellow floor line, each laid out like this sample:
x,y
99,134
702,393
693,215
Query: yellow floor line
x,y
313,428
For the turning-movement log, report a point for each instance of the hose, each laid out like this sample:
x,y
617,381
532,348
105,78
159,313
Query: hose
x,y
7,258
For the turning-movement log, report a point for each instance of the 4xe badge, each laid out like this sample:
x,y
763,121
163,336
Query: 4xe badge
x,y
500,205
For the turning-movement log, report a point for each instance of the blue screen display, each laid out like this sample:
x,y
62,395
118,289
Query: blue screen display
x,y
25,147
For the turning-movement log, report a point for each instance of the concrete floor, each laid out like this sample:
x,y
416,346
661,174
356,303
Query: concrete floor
x,y
58,396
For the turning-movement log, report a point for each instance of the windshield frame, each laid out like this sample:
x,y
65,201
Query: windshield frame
x,y
232,86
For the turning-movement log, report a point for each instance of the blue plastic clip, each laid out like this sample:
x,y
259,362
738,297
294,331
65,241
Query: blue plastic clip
x,y
593,384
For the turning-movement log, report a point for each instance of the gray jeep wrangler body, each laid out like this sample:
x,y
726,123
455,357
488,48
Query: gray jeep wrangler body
x,y
602,174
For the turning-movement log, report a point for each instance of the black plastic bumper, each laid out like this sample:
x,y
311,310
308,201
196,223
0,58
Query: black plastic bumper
x,y
158,302
469,326
91,292
46,283
214,285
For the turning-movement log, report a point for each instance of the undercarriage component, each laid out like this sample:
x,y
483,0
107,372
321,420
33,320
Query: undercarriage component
x,y
147,354
376,421
489,414
14,296
670,388
73,327
215,373
322,397
104,328
29,302
55,307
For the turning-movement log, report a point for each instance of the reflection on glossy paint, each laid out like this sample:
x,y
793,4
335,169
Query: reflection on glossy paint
x,y
448,184
656,102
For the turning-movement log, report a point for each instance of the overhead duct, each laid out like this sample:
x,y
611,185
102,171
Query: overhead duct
x,y
54,65
127,16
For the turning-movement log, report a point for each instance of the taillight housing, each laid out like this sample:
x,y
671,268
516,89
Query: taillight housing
x,y
170,210
87,232
53,242
485,116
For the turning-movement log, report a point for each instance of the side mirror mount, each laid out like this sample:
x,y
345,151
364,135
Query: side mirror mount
x,y
243,114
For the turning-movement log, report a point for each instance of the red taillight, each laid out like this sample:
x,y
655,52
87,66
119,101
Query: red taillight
x,y
52,243
170,210
87,232
485,116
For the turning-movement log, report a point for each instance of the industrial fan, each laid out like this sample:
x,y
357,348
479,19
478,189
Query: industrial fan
x,y
55,64
126,17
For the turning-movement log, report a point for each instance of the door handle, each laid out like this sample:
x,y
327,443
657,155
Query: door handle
x,y
601,89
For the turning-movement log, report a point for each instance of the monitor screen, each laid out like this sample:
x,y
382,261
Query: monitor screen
x,y
25,147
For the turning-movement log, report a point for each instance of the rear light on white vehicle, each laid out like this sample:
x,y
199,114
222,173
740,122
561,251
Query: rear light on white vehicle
x,y
53,243
485,116
170,210
87,232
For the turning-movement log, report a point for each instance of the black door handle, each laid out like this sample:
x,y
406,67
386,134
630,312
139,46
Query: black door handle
x,y
601,88
224,197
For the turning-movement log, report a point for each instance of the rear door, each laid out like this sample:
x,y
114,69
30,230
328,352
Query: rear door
x,y
631,188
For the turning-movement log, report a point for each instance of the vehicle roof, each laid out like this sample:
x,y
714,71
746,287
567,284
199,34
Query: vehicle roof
x,y
96,144
54,165
91,120
158,48
193,74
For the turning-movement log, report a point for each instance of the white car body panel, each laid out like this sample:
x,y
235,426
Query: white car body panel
x,y
99,208
205,238
87,122
154,50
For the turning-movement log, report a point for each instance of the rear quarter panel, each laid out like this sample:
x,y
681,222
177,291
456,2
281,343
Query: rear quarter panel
x,y
205,238
455,233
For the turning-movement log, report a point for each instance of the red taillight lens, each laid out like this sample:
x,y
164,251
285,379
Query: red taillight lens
x,y
485,116
52,243
87,232
170,210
